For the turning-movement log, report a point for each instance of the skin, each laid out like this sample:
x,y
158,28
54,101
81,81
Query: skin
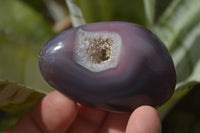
x,y
58,114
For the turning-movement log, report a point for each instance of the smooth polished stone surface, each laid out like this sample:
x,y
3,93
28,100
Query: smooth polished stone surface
x,y
112,66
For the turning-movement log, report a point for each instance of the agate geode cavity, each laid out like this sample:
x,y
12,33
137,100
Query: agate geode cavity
x,y
112,66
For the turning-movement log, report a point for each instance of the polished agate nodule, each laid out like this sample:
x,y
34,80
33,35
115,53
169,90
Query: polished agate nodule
x,y
112,66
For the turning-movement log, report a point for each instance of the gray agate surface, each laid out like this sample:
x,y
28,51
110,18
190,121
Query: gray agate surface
x,y
112,66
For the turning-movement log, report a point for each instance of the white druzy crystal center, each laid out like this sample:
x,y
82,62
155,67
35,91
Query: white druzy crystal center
x,y
97,51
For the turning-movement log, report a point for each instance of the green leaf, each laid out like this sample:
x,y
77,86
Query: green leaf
x,y
37,5
160,8
184,118
180,93
22,24
7,120
19,64
149,8
137,11
179,29
15,101
23,32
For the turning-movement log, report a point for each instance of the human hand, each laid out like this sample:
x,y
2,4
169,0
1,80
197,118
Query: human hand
x,y
58,114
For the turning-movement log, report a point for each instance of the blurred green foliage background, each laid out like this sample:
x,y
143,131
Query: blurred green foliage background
x,y
25,26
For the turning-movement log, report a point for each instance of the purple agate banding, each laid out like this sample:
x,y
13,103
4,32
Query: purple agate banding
x,y
112,66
